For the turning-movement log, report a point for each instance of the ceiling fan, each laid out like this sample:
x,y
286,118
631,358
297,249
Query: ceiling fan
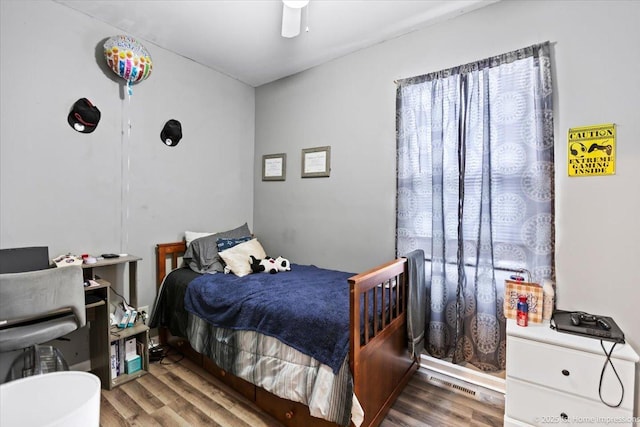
x,y
292,17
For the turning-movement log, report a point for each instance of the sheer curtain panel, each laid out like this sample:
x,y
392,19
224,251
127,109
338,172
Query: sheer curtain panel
x,y
475,192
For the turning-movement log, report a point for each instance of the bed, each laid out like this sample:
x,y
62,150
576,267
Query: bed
x,y
330,390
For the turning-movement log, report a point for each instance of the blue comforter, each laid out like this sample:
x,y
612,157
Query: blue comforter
x,y
307,308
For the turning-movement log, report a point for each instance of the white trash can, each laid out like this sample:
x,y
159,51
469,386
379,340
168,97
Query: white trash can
x,y
56,399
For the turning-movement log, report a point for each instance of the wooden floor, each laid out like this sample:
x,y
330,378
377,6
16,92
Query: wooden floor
x,y
183,394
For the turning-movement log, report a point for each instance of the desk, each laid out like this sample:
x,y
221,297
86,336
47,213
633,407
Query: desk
x,y
130,260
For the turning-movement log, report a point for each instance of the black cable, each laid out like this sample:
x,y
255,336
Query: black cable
x,y
604,367
123,298
167,353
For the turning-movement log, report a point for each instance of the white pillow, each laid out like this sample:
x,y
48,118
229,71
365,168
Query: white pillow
x,y
237,257
190,236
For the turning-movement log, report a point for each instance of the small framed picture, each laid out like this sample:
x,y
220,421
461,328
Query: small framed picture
x,y
316,162
274,167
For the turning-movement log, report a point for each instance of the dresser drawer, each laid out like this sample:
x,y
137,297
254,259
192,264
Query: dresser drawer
x,y
570,371
540,406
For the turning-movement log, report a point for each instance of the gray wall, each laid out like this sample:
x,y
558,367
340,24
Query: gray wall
x,y
347,221
63,189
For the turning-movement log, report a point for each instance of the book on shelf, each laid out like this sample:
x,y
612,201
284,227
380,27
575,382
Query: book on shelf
x,y
113,359
122,351
140,347
130,348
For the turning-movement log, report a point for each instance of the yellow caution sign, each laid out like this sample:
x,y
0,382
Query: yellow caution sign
x,y
592,150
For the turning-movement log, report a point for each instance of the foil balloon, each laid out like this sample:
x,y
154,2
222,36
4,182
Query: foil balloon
x,y
128,59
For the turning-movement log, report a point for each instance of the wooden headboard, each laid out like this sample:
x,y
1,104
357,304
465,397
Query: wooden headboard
x,y
173,250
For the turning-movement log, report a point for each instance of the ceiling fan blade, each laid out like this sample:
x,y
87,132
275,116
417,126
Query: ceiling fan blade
x,y
291,19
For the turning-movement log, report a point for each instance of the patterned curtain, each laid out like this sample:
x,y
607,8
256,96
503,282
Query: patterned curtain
x,y
475,192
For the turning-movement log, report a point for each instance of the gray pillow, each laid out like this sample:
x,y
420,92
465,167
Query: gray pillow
x,y
202,254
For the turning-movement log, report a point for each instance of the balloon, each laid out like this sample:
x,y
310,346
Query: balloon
x,y
128,59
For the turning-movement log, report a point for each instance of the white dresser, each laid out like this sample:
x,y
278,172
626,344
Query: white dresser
x,y
553,378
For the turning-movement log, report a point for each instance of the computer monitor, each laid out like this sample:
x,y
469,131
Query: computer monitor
x,y
19,260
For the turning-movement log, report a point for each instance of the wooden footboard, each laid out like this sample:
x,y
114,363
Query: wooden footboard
x,y
378,356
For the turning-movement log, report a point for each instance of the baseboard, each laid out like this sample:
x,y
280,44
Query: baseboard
x,y
85,366
475,384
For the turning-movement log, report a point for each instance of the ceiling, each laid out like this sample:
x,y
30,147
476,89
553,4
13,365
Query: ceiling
x,y
241,38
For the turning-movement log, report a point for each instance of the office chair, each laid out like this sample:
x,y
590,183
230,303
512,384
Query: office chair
x,y
39,306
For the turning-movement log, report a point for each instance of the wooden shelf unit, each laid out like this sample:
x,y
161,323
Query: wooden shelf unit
x,y
102,334
141,332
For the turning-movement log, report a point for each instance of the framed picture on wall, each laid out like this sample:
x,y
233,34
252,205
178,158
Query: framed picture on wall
x,y
274,167
316,162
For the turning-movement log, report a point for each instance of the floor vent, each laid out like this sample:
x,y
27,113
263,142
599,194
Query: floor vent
x,y
447,384
465,388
